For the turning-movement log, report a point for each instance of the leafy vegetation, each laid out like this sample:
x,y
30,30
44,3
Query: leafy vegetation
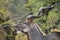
x,y
16,8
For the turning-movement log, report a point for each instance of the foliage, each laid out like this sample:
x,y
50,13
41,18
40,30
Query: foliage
x,y
21,36
15,8
52,18
44,20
